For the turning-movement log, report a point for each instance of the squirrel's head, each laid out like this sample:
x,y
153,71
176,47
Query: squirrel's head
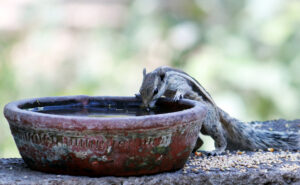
x,y
153,87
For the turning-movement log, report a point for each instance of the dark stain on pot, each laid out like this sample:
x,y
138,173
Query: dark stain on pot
x,y
160,150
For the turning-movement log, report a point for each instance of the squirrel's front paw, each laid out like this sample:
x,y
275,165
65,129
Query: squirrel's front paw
x,y
177,97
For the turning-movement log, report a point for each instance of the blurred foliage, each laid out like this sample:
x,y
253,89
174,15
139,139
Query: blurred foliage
x,y
246,53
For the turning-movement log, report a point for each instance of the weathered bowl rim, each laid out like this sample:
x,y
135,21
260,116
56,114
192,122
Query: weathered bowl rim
x,y
12,112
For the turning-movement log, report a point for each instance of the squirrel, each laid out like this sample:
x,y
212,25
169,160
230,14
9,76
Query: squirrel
x,y
224,129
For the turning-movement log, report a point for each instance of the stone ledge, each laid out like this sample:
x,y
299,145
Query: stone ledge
x,y
14,171
231,168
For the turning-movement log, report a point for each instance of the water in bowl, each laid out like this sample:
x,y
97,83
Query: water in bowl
x,y
99,111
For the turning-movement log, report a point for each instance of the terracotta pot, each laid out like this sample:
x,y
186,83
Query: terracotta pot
x,y
95,146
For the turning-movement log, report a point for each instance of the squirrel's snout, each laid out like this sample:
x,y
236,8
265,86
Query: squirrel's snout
x,y
147,104
144,104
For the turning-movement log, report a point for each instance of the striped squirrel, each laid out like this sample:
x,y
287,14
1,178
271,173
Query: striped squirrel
x,y
225,130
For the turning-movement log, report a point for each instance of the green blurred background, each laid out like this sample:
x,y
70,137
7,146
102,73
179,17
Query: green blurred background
x,y
246,53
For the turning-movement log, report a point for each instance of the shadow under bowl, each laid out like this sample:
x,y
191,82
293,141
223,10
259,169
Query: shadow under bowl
x,y
98,136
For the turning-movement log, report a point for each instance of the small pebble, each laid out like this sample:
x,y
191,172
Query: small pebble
x,y
271,149
198,153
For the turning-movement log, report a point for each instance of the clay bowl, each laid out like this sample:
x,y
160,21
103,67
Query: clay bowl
x,y
96,146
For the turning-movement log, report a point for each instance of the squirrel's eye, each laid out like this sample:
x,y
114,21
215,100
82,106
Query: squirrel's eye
x,y
155,91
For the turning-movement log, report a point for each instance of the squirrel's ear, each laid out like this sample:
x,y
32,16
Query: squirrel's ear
x,y
162,74
144,72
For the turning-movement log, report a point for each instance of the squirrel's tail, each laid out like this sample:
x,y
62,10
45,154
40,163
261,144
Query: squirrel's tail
x,y
244,136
